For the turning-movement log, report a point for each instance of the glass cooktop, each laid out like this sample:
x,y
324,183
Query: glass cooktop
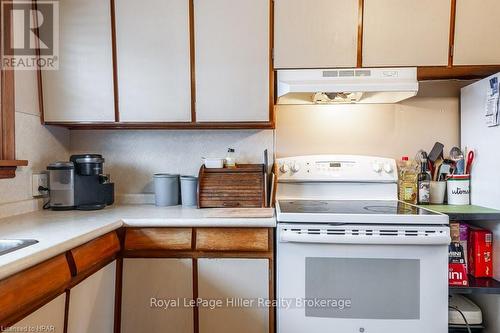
x,y
366,207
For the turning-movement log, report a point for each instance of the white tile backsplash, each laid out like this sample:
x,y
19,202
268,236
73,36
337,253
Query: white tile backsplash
x,y
132,157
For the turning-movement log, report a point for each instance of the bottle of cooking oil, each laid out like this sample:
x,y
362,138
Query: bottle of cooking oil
x,y
408,180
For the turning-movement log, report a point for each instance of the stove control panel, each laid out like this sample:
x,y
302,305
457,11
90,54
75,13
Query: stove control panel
x,y
338,168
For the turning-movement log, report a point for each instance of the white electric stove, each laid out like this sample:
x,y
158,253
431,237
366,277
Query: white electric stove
x,y
350,256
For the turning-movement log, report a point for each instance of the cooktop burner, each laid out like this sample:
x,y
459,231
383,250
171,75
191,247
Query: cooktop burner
x,y
368,207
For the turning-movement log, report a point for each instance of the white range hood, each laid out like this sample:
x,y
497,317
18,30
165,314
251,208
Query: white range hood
x,y
340,86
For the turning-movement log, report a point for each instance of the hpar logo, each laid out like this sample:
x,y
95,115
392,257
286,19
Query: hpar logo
x,y
30,34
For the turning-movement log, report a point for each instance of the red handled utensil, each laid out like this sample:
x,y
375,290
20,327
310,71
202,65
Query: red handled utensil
x,y
470,160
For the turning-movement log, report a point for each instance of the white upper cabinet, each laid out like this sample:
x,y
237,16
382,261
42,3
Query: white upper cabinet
x,y
406,32
476,33
315,34
232,60
82,89
153,60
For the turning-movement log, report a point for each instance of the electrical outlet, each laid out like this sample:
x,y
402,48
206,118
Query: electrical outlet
x,y
39,180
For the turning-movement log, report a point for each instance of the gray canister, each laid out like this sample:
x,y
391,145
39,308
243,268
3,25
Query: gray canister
x,y
189,190
166,189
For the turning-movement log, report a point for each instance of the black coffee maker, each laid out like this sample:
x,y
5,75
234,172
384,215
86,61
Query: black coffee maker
x,y
93,189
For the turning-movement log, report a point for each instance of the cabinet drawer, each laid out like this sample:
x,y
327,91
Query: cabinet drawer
x,y
232,239
95,252
158,239
25,291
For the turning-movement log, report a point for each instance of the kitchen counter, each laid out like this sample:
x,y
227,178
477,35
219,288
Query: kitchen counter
x,y
58,232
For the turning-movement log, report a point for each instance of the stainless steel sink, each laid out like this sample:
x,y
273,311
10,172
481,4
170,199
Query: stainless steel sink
x,y
9,245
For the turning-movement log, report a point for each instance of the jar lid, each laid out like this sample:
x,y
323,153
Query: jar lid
x,y
87,158
165,175
189,178
61,165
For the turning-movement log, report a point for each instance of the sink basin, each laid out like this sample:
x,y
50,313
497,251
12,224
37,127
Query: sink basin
x,y
9,245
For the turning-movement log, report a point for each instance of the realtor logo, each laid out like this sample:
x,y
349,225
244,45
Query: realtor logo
x,y
30,37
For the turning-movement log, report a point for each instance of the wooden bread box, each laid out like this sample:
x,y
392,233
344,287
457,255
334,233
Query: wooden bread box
x,y
238,187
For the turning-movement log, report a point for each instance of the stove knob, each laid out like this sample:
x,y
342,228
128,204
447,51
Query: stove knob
x,y
295,167
284,168
377,167
388,168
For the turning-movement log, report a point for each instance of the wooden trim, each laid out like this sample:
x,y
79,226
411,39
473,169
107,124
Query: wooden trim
x,y
119,282
7,110
66,310
118,295
95,252
271,63
28,290
361,13
456,72
232,239
165,125
192,60
8,162
451,47
197,254
158,239
38,69
196,310
115,61
7,172
8,168
14,163
272,292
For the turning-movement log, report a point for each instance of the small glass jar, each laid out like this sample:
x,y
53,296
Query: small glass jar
x,y
230,158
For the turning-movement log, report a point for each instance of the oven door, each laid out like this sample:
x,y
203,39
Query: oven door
x,y
352,278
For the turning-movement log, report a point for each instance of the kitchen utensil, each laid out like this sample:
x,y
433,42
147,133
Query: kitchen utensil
x,y
213,163
437,168
166,189
470,160
266,177
457,156
444,171
436,152
189,190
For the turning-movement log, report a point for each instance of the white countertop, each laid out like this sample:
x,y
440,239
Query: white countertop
x,y
61,231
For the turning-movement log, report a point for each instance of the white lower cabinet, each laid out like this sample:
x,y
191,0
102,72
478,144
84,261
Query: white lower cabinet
x,y
154,296
92,303
234,281
49,318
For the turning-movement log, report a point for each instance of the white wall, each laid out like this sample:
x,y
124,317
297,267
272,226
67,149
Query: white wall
x,y
390,130
38,144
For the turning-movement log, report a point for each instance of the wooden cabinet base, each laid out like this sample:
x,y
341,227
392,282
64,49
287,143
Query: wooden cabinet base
x,y
28,290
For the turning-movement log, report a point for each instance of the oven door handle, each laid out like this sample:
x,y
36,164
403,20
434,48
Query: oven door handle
x,y
293,237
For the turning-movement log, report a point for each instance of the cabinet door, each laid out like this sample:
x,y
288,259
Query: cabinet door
x,y
82,88
233,280
92,303
49,318
152,41
232,60
476,33
315,34
154,292
406,32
